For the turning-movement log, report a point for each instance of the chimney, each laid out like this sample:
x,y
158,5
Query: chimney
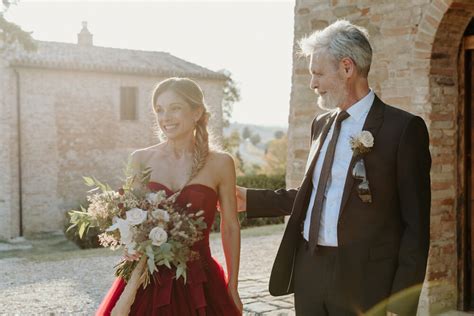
x,y
84,37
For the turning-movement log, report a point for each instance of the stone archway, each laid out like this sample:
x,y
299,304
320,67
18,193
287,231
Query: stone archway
x,y
436,64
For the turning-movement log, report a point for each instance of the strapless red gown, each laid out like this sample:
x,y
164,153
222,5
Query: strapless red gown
x,y
205,292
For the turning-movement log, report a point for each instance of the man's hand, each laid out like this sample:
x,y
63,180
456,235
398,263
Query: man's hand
x,y
241,194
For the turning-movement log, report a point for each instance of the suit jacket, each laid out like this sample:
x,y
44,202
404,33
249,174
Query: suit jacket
x,y
383,245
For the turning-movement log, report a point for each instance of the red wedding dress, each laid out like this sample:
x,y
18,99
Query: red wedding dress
x,y
205,292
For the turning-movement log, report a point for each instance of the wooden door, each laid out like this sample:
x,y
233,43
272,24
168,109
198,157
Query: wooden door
x,y
469,114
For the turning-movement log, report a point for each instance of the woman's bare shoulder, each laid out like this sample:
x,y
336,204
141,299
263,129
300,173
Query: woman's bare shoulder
x,y
221,159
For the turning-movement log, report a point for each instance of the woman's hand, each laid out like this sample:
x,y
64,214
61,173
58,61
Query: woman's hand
x,y
241,195
125,302
234,295
132,257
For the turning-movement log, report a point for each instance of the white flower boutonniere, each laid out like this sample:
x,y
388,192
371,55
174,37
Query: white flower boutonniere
x,y
362,143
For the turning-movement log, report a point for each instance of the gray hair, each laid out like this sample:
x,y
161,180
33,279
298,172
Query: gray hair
x,y
341,39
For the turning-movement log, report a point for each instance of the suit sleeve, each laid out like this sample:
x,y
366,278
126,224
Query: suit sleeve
x,y
269,203
414,188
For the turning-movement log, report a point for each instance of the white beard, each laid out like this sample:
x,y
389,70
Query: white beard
x,y
331,101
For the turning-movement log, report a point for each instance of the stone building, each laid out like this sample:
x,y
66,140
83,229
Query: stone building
x,y
73,110
423,61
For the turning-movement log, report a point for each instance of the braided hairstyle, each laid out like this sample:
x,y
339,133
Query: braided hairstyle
x,y
193,95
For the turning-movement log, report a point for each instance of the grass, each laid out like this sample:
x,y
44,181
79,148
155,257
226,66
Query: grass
x,y
55,247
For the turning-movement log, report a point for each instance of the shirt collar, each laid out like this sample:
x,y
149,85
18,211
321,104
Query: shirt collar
x,y
361,107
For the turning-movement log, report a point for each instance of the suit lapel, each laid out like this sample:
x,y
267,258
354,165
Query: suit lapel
x,y
372,124
317,143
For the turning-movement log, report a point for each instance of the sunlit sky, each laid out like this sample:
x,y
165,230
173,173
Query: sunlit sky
x,y
251,39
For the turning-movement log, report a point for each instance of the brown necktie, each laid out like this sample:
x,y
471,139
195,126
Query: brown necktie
x,y
323,180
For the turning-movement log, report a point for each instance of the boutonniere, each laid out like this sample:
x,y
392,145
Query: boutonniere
x,y
362,143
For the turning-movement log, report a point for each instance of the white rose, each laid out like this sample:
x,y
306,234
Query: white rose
x,y
158,236
366,139
155,197
125,229
161,214
135,216
152,198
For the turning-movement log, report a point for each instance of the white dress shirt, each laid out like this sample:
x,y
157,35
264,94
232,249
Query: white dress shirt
x,y
337,178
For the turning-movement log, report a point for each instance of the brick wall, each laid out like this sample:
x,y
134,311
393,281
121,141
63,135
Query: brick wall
x,y
416,49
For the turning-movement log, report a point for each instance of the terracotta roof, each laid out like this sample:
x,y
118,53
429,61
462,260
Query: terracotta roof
x,y
54,55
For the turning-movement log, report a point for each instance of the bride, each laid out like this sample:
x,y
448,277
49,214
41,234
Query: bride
x,y
184,163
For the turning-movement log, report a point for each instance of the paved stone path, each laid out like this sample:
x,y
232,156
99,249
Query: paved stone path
x,y
74,283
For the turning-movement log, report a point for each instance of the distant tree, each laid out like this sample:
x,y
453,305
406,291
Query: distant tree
x,y
231,95
279,134
246,133
239,164
255,139
10,33
232,142
275,156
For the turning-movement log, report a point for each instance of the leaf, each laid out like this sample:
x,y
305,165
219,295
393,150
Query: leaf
x,y
181,271
151,265
165,247
151,258
89,181
82,229
71,227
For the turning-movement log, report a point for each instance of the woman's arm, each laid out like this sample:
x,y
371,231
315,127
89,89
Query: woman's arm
x,y
230,227
125,302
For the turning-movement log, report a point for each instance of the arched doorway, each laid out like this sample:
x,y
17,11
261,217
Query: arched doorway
x,y
466,67
450,282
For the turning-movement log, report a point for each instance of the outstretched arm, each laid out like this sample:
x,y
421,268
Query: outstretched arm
x,y
230,227
265,203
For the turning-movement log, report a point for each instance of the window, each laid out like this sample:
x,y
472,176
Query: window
x,y
128,103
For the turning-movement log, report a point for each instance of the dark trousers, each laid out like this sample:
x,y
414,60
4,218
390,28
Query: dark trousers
x,y
317,286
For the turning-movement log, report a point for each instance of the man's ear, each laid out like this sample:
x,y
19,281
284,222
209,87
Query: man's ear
x,y
348,67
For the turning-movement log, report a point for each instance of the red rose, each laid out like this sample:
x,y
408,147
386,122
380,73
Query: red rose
x,y
121,191
120,205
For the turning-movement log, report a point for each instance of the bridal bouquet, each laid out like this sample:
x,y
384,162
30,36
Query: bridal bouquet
x,y
143,222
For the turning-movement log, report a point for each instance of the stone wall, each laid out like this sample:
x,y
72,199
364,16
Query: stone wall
x,y
71,127
416,53
9,197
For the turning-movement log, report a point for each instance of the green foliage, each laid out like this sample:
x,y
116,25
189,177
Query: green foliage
x,y
246,133
231,143
10,33
256,182
275,156
231,95
279,134
255,139
89,238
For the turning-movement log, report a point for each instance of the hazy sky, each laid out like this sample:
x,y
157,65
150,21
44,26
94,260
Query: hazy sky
x,y
252,39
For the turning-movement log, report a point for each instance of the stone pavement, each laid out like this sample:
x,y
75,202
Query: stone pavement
x,y
41,280
51,277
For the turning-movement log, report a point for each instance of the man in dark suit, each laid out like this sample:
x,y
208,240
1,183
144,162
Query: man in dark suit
x,y
358,234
